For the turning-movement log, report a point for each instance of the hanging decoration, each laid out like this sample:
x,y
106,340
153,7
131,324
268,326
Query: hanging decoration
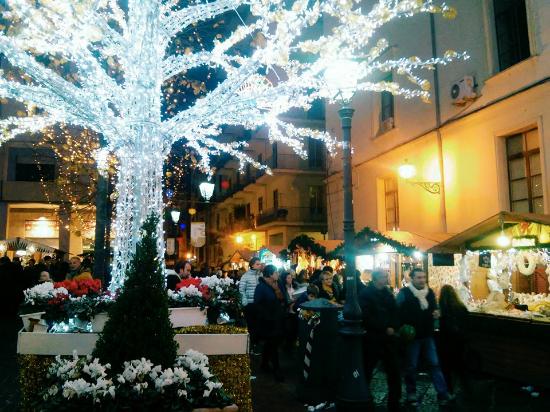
x,y
114,62
368,239
531,259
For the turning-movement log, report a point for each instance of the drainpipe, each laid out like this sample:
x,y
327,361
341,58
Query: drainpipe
x,y
442,204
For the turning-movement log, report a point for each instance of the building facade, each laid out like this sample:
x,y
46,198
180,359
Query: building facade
x,y
255,210
482,145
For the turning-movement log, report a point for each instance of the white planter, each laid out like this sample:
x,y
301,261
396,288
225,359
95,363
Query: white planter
x,y
27,319
98,321
182,317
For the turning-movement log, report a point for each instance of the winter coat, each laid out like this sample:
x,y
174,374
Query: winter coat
x,y
379,310
270,310
410,312
247,286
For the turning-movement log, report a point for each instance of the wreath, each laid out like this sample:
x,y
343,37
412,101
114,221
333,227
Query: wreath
x,y
531,263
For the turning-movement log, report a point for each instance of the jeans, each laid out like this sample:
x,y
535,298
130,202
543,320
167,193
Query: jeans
x,y
426,347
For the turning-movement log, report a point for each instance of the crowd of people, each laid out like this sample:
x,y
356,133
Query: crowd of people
x,y
17,275
400,329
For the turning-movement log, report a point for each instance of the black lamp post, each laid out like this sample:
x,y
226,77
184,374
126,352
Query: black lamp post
x,y
353,391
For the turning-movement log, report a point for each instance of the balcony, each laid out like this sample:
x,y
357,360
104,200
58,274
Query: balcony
x,y
292,215
295,162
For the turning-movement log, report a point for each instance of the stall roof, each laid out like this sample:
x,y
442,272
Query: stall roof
x,y
241,254
20,243
486,228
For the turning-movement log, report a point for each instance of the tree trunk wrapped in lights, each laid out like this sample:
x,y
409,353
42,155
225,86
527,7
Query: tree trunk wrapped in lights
x,y
115,61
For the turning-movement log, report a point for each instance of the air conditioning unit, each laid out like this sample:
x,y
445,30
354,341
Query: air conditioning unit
x,y
463,91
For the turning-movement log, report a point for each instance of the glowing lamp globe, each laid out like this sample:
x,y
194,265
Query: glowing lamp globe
x,y
503,240
239,239
207,190
341,78
407,171
175,214
192,211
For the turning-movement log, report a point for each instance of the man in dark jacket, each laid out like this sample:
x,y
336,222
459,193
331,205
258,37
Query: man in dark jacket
x,y
380,344
418,308
270,304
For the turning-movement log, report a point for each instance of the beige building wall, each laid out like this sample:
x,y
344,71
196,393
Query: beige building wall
x,y
473,147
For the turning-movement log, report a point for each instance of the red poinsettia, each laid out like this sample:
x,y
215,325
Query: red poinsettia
x,y
81,287
185,283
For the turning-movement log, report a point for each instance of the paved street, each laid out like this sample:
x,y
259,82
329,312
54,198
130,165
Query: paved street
x,y
270,396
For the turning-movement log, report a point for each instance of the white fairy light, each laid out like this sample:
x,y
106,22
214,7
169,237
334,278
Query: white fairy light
x,y
98,39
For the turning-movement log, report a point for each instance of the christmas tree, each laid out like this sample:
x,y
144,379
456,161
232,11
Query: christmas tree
x,y
138,324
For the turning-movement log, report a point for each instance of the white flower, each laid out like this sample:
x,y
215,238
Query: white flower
x,y
78,388
43,291
210,387
182,393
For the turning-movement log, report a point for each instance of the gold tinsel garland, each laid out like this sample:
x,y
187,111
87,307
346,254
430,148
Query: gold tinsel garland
x,y
232,370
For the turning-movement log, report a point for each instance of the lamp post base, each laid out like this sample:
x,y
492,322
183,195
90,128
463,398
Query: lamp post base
x,y
353,391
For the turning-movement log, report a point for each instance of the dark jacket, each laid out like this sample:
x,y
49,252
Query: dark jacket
x,y
379,310
452,324
410,312
271,311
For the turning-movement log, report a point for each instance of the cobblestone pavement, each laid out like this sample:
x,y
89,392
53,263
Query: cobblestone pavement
x,y
271,396
486,395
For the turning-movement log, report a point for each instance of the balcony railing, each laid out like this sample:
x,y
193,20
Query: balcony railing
x,y
291,215
295,162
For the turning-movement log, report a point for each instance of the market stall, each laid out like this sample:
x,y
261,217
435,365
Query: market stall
x,y
375,250
501,269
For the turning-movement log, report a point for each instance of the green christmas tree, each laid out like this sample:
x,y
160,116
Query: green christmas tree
x,y
138,324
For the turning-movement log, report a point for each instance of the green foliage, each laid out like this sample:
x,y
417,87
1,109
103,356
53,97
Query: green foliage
x,y
308,244
138,324
366,240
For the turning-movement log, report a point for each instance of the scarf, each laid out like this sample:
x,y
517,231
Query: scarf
x,y
275,286
421,295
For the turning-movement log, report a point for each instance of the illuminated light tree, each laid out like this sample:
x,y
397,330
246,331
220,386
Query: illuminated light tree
x,y
118,60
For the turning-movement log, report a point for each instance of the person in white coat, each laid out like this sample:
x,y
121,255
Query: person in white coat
x,y
247,287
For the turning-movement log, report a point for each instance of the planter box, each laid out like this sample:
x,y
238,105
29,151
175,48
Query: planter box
x,y
99,321
182,317
230,408
65,343
32,319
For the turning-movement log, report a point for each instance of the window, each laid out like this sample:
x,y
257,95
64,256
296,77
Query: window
x,y
386,108
315,153
275,199
511,32
248,210
524,173
260,205
315,200
274,156
392,203
31,165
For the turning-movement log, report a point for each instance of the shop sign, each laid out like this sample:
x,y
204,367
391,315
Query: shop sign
x,y
198,234
530,241
42,228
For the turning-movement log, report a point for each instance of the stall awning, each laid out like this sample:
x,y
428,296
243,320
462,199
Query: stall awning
x,y
239,255
484,234
19,243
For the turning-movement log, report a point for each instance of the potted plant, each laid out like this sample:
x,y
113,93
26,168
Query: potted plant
x,y
187,304
42,301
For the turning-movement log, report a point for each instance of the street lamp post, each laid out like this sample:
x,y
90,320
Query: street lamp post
x,y
207,190
353,391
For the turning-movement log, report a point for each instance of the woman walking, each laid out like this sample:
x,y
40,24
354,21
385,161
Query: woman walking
x,y
452,335
271,305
